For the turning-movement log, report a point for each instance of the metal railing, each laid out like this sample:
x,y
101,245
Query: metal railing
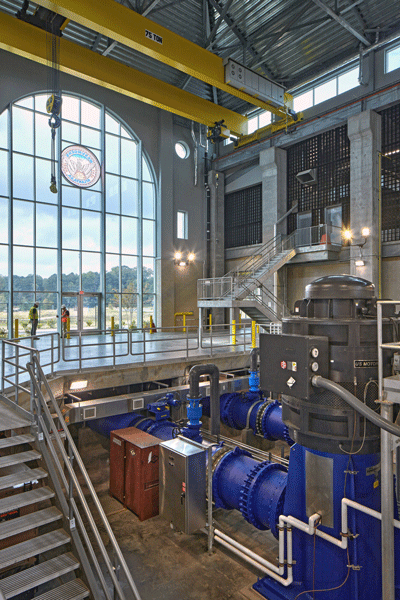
x,y
62,465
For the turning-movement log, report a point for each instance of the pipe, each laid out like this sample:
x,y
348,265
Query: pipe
x,y
254,354
368,413
194,392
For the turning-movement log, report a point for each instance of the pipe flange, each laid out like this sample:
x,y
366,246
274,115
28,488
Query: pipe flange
x,y
264,417
287,437
248,494
226,412
222,461
259,417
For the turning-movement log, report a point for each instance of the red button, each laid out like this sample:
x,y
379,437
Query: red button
x,y
283,364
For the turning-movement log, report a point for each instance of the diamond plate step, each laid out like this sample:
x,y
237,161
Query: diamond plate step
x,y
21,477
73,590
19,552
15,440
37,575
10,419
21,457
25,498
31,521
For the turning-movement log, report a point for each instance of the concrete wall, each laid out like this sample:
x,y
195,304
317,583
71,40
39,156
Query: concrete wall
x,y
175,177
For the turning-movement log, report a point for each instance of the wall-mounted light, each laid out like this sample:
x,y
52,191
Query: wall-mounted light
x,y
182,260
308,177
78,385
347,235
359,263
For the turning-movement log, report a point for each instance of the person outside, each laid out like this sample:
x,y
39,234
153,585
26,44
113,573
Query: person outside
x,y
64,320
34,318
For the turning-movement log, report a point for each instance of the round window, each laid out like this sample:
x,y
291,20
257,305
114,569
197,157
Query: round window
x,y
182,149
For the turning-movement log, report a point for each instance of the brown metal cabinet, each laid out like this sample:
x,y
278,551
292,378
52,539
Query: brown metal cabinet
x,y
134,471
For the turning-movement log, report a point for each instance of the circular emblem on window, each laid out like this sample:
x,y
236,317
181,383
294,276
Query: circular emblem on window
x,y
80,166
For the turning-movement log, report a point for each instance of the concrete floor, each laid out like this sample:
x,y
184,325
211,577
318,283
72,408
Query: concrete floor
x,y
167,564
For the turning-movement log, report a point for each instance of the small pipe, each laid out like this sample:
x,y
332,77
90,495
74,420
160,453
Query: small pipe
x,y
254,354
355,403
194,392
265,563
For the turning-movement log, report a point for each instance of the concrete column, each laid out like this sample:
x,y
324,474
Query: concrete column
x,y
273,163
217,233
364,131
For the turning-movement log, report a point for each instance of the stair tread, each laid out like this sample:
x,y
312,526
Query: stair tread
x,y
21,477
14,440
37,575
24,499
19,552
30,521
9,419
13,459
73,590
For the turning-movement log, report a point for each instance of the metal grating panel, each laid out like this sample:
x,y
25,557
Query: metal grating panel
x,y
390,178
243,217
329,153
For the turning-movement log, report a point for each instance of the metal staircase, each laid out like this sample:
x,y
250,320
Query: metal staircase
x,y
244,287
49,542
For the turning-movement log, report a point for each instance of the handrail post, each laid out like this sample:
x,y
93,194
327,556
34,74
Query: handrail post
x,y
187,341
16,398
113,347
144,344
80,350
3,355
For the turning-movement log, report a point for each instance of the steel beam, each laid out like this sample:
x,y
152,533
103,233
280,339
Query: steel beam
x,y
30,42
342,22
127,27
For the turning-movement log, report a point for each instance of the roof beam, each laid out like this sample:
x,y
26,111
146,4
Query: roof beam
x,y
218,23
127,27
30,42
342,22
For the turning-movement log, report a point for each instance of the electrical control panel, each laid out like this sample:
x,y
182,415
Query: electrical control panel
x,y
253,83
288,362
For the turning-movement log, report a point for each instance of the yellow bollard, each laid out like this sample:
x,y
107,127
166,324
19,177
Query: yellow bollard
x,y
68,327
16,329
233,332
258,329
184,323
151,324
210,320
112,326
253,334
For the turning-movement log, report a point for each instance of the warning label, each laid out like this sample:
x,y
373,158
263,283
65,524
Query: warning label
x,y
365,364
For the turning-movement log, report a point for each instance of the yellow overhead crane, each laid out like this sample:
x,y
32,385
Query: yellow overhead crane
x,y
135,31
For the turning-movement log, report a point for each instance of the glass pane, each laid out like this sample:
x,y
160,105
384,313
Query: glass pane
x,y
90,137
112,126
23,176
3,268
129,274
71,302
70,109
303,101
40,103
43,136
70,132
112,194
4,129
46,269
22,130
112,272
4,220
47,312
27,102
43,175
148,276
146,175
148,200
70,271
128,158
3,314
70,196
148,238
112,309
90,114
348,80
90,309
325,91
91,231
23,223
112,233
90,272
129,310
148,308
23,269
4,173
22,304
129,235
46,225
393,59
91,199
70,228
129,197
112,154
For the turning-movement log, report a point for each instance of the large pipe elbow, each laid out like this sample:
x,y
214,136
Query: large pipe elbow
x,y
194,391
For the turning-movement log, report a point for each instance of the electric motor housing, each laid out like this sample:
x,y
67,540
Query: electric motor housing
x,y
343,309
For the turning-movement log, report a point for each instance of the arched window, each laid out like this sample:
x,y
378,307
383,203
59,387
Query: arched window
x,y
92,248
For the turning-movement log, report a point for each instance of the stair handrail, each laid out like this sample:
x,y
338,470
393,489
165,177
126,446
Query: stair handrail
x,y
284,310
265,250
33,367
